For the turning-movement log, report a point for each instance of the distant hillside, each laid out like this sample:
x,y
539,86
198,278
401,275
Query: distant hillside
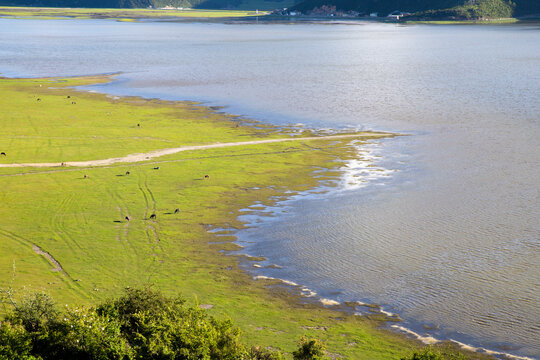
x,y
443,9
459,9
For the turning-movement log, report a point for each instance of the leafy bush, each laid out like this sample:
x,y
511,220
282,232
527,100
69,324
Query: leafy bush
x,y
309,349
15,342
141,324
258,353
432,354
35,312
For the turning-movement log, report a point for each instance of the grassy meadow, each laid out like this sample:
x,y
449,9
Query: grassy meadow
x,y
64,230
120,14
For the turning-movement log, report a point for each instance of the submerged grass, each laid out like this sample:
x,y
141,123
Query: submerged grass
x,y
78,216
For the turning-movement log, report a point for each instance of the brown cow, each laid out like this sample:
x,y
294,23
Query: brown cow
x,y
177,211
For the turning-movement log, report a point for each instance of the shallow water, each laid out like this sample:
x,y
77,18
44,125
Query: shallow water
x,y
449,236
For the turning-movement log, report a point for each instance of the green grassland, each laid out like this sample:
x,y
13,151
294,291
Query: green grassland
x,y
80,220
121,14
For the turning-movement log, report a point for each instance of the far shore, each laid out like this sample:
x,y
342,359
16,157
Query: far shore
x,y
189,14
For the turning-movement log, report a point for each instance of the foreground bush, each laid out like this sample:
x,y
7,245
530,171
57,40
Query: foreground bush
x,y
141,324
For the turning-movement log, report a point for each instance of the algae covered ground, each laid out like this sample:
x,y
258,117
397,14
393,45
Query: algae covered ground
x,y
84,234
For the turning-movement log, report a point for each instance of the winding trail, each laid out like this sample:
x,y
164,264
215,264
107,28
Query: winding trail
x,y
139,157
52,260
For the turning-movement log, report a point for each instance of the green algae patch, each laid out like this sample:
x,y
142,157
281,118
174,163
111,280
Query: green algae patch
x,y
84,234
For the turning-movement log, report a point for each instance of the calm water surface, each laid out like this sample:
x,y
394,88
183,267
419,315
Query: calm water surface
x,y
446,234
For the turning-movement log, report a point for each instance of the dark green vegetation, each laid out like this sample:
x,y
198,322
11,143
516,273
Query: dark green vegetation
x,y
438,9
141,324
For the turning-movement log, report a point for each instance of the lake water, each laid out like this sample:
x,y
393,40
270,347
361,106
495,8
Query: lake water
x,y
446,234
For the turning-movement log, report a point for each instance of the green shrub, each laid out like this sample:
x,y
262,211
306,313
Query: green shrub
x,y
431,354
158,327
15,342
35,312
309,349
141,324
258,353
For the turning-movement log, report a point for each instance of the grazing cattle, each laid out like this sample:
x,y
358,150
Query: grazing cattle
x,y
207,176
3,153
138,124
86,176
38,99
63,164
69,97
127,218
156,168
153,216
176,211
127,173
73,103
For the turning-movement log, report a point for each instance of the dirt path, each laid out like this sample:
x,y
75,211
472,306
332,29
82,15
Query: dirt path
x,y
132,158
52,260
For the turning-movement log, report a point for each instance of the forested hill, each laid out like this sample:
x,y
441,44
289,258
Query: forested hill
x,y
449,9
